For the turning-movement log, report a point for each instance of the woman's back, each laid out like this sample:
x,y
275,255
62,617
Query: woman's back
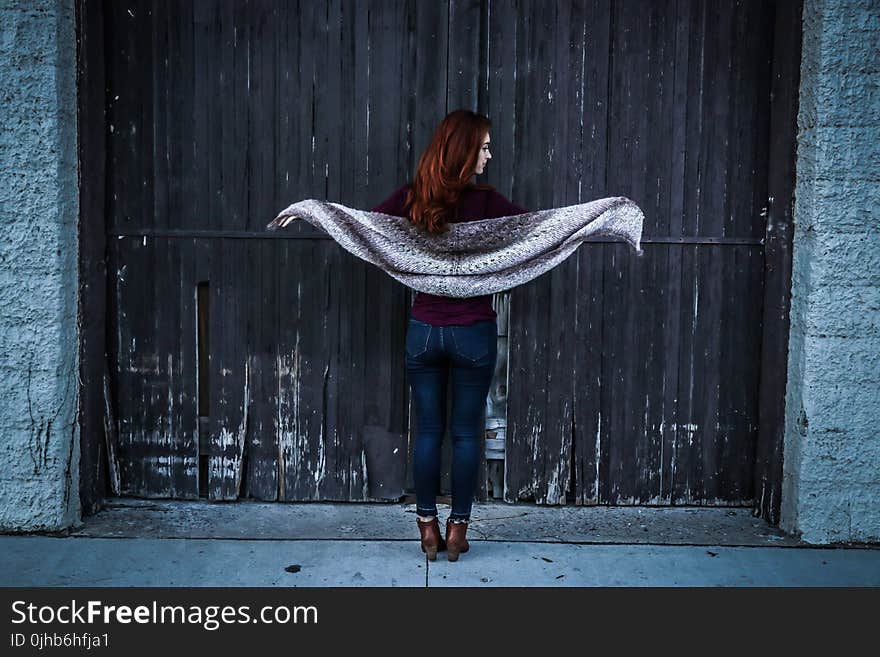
x,y
475,204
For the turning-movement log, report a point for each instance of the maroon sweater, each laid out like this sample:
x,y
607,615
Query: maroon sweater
x,y
445,311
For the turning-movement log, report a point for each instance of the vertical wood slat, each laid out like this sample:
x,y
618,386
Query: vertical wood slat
x,y
95,448
785,83
299,458
119,54
463,75
500,64
610,437
362,38
350,126
539,441
261,471
567,64
682,430
157,131
557,464
158,444
710,215
385,302
328,97
672,259
659,99
229,363
589,313
229,370
626,454
560,397
260,467
686,462
745,170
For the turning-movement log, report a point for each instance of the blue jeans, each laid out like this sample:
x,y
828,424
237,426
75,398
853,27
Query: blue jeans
x,y
469,354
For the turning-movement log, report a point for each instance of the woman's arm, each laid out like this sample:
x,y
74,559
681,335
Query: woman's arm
x,y
499,206
393,205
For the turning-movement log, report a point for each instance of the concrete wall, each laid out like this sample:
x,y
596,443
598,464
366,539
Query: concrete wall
x,y
831,485
39,438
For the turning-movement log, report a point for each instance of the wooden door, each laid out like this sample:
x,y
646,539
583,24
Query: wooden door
x,y
265,365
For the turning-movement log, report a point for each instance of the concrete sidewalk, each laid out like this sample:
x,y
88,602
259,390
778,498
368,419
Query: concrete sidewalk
x,y
170,543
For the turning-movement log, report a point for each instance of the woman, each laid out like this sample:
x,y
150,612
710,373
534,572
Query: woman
x,y
448,336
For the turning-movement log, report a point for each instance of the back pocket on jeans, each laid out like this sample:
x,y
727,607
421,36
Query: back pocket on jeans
x,y
474,342
417,336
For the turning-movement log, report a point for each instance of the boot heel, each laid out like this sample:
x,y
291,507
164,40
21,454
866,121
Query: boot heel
x,y
456,539
431,539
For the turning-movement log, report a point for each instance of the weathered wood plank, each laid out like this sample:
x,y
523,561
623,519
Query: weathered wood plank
x,y
714,149
261,473
157,446
229,372
560,317
535,445
655,126
97,428
260,477
464,75
592,115
784,85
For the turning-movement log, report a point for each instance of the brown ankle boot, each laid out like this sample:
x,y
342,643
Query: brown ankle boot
x,y
431,539
456,543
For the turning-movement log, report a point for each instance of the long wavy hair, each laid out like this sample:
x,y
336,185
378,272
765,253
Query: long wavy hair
x,y
445,170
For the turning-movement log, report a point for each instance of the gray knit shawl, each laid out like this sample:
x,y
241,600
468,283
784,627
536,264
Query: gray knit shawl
x,y
474,257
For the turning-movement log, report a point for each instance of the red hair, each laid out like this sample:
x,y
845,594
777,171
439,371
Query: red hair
x,y
445,169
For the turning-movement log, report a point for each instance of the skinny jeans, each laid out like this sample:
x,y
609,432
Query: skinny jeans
x,y
468,355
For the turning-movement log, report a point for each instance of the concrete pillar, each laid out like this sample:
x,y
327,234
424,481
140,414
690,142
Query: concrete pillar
x,y
831,480
39,437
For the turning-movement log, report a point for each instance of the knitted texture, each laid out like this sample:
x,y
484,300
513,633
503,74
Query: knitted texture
x,y
474,257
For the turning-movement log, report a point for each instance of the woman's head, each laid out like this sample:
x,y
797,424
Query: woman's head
x,y
458,150
454,152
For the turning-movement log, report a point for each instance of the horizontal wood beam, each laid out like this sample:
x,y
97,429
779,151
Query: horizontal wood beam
x,y
245,234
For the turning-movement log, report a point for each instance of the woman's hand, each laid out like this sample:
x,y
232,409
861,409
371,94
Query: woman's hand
x,y
280,221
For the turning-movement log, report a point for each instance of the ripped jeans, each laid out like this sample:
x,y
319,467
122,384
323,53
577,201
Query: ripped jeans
x,y
468,354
